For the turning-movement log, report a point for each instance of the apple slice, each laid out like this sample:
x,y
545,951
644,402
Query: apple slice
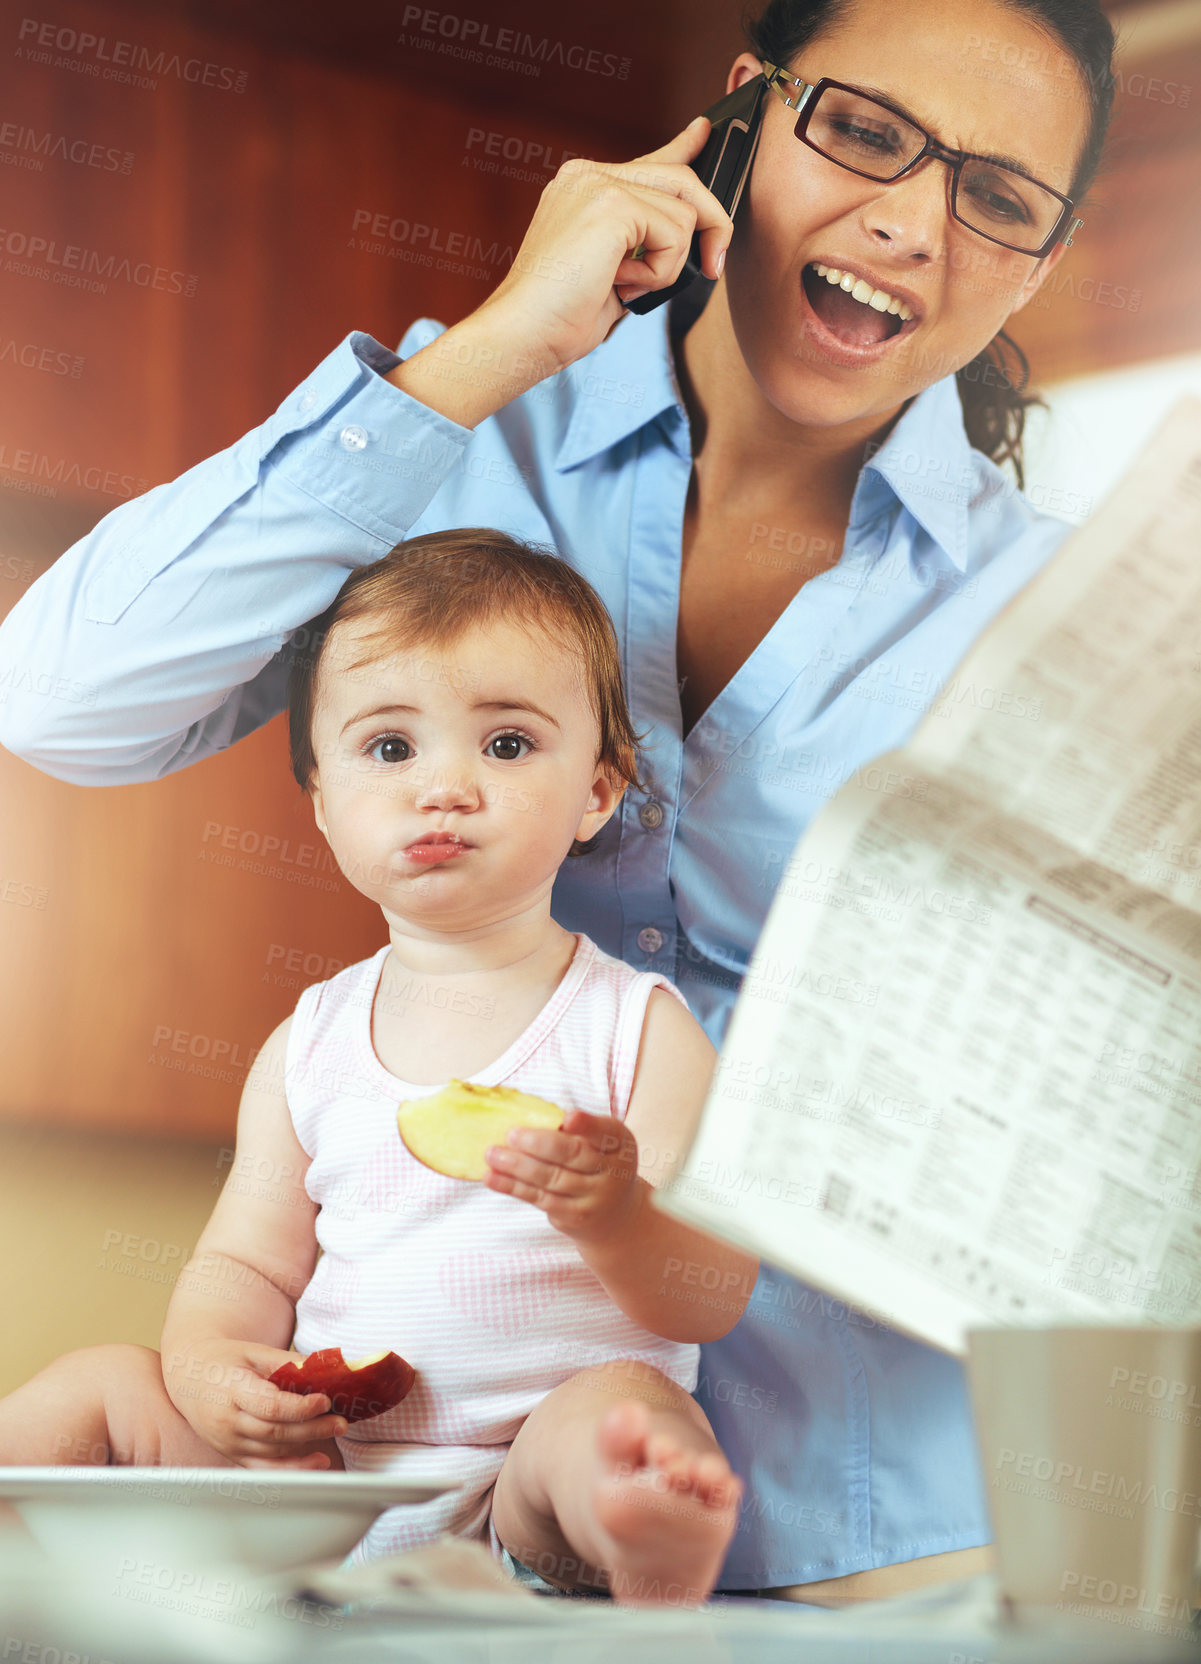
x,y
451,1130
358,1390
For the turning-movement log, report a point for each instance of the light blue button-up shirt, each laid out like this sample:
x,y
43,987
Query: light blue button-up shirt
x,y
157,640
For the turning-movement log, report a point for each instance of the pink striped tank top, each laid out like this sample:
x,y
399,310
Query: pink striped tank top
x,y
490,1304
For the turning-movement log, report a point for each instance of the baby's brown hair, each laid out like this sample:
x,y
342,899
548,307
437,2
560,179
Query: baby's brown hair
x,y
432,589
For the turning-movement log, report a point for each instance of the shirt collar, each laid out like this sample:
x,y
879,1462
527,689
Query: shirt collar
x,y
926,462
625,382
929,466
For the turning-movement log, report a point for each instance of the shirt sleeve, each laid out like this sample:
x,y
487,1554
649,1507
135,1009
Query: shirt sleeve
x,y
159,638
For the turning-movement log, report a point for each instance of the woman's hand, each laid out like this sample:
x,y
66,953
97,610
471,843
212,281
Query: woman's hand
x,y
577,260
583,1175
222,1390
576,264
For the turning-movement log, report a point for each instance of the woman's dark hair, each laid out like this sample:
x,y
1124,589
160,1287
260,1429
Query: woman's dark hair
x,y
992,387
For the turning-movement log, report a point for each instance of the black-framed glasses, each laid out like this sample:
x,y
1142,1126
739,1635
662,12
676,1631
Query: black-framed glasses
x,y
870,138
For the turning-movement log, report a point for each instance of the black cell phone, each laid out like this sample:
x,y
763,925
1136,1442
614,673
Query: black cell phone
x,y
723,165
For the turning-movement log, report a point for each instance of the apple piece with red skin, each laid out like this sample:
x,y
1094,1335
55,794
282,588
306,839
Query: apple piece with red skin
x,y
357,1391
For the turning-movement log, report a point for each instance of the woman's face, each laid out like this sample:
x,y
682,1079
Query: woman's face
x,y
979,76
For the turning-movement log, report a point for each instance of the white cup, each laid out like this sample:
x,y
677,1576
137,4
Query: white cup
x,y
1091,1446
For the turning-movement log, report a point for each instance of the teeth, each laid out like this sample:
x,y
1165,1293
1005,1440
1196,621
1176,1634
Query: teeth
x,y
859,289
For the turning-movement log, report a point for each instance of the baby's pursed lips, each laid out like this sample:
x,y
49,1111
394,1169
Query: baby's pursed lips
x,y
436,838
859,289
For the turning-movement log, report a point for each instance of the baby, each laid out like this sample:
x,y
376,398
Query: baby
x,y
458,719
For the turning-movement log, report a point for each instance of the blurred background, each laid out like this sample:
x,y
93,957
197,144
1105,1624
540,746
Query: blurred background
x,y
224,166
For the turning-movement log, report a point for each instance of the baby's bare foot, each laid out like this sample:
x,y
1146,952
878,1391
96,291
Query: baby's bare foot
x,y
667,1508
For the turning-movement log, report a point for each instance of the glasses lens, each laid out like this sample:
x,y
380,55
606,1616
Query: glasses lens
x,y
1006,206
861,134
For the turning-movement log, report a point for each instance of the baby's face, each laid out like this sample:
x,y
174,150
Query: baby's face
x,y
451,781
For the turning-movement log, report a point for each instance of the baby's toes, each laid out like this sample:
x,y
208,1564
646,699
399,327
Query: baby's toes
x,y
714,1481
673,1464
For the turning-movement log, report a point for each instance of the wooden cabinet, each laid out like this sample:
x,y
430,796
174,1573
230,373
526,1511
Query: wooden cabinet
x,y
196,212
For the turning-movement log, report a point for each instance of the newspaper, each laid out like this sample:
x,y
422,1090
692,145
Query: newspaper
x,y
962,1082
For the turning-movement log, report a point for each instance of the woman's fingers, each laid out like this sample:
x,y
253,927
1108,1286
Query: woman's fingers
x,y
666,170
661,204
563,293
601,234
624,208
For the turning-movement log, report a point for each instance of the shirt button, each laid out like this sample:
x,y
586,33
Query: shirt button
x,y
651,815
309,400
650,940
353,438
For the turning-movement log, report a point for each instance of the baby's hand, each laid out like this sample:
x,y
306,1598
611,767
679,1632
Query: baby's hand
x,y
583,1175
220,1387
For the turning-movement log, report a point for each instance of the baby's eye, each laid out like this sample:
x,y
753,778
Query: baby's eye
x,y
507,748
392,749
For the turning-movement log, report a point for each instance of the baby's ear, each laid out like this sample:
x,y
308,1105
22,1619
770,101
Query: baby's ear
x,y
607,790
314,791
610,787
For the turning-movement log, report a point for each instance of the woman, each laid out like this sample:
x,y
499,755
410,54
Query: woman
x,y
771,485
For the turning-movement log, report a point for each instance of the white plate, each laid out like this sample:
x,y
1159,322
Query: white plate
x,y
292,1487
255,1518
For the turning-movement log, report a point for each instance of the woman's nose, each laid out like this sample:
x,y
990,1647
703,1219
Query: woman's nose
x,y
909,218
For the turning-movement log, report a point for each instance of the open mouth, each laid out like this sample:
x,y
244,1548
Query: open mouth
x,y
851,308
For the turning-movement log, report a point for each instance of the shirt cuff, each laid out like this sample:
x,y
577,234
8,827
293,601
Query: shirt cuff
x,y
359,445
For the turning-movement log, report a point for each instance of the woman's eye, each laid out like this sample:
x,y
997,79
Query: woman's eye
x,y
507,748
390,748
868,138
997,201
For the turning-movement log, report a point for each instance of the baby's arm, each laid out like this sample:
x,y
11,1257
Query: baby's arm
x,y
595,1178
231,1316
